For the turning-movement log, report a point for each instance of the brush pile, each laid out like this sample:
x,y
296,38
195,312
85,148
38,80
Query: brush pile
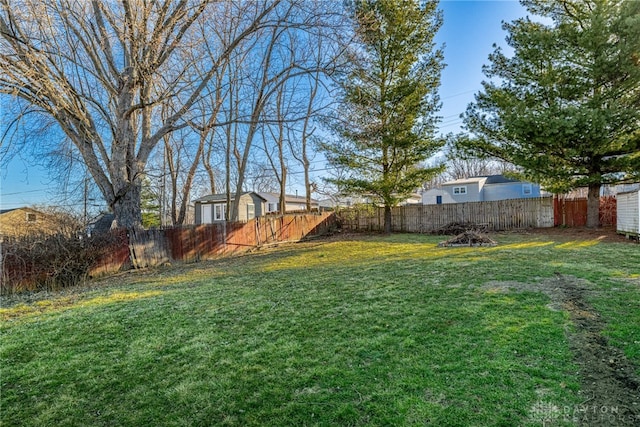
x,y
469,238
455,228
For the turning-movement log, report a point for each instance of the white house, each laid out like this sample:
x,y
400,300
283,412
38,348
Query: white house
x,y
293,203
480,189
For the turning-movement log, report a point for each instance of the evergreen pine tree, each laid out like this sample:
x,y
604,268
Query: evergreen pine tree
x,y
387,114
566,106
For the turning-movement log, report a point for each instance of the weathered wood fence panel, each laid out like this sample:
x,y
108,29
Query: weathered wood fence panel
x,y
194,243
572,212
148,248
495,215
114,256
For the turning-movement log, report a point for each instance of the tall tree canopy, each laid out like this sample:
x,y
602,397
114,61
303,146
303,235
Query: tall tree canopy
x,y
386,117
566,105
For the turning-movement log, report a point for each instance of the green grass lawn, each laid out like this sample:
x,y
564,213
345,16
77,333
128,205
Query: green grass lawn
x,y
370,331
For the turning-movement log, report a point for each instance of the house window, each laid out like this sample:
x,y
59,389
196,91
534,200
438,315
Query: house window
x,y
219,210
526,189
460,190
31,217
272,207
438,200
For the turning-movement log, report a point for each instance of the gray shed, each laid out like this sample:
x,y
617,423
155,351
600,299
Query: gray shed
x,y
212,208
628,213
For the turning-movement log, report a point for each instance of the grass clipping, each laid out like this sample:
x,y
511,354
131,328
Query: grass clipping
x,y
469,238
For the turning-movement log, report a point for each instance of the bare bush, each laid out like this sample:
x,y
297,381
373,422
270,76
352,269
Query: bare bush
x,y
49,262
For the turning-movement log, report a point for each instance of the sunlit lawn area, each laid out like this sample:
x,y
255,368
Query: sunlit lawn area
x,y
367,330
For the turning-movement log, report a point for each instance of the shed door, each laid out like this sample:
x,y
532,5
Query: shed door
x,y
251,211
207,217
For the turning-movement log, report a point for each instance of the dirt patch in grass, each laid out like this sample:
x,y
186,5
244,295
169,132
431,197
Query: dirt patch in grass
x,y
610,386
603,234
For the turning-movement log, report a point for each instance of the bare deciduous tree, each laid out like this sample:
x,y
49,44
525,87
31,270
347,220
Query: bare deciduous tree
x,y
461,163
103,70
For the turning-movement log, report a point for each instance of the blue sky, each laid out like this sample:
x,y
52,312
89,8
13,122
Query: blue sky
x,y
469,31
470,28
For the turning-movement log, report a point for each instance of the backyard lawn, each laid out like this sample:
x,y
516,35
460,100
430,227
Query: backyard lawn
x,y
348,331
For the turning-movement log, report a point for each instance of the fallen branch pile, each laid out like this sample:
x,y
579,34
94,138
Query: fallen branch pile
x,y
469,238
455,228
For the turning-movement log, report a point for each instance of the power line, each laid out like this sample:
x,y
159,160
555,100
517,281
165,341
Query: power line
x,y
22,192
451,124
458,94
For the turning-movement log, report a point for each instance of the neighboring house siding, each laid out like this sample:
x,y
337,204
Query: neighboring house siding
x,y
481,189
463,192
510,190
430,197
628,213
26,221
293,203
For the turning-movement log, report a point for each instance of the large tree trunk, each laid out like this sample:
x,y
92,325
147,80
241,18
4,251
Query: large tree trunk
x,y
593,206
126,208
387,219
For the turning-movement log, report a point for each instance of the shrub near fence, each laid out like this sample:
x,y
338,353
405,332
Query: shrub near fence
x,y
495,215
47,262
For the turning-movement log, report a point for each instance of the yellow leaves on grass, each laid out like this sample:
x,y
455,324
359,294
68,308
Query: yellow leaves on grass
x,y
63,303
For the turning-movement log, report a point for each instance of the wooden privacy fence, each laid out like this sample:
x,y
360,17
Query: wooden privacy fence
x,y
495,215
572,212
194,243
56,261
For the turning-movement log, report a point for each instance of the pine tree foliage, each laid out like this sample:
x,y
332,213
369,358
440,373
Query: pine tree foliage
x,y
566,105
387,114
149,205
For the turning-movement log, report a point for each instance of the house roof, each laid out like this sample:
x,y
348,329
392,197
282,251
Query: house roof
x,y
499,179
487,179
288,198
223,197
4,211
102,223
471,180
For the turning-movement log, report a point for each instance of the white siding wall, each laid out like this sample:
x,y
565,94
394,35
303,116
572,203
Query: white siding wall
x,y
628,212
430,197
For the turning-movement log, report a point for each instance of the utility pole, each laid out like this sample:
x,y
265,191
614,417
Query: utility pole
x,y
163,187
86,190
